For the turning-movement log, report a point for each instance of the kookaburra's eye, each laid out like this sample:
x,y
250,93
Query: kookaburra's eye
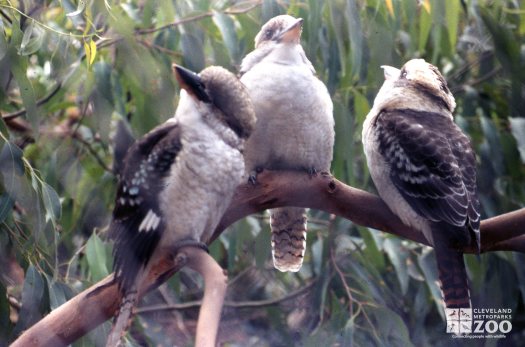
x,y
268,34
403,73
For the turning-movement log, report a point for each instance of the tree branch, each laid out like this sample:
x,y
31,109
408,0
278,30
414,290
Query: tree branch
x,y
39,102
273,189
232,304
198,17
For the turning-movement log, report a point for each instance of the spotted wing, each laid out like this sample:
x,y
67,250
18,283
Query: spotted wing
x,y
138,223
433,167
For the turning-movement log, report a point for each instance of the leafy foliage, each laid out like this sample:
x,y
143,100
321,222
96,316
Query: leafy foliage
x,y
71,70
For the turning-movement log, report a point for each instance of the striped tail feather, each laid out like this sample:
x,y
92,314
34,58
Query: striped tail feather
x,y
453,278
288,226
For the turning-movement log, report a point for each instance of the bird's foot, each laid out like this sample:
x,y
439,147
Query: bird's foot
x,y
312,172
252,178
190,243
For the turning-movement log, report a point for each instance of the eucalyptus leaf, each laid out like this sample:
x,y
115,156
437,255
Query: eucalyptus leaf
x,y
398,256
32,299
517,126
11,160
391,326
229,35
5,322
59,293
19,69
6,206
452,9
192,51
427,263
81,6
3,41
425,23
32,39
51,202
97,258
355,33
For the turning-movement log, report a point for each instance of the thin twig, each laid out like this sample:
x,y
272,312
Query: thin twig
x,y
92,151
7,18
160,48
196,18
487,76
40,102
345,285
173,24
233,304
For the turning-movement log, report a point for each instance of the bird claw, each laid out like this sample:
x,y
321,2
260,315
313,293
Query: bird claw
x,y
252,178
312,172
191,243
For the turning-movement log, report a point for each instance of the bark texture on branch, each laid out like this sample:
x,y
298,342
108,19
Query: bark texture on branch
x,y
273,189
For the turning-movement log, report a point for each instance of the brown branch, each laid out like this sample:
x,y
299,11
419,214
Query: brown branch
x,y
98,303
326,193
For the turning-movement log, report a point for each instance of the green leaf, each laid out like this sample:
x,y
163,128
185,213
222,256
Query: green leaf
x,y
337,22
51,203
3,131
519,260
32,39
229,35
81,6
97,258
192,52
32,295
398,256
391,326
6,206
5,322
3,42
425,24
372,247
19,69
517,126
103,99
11,160
59,293
270,8
356,35
361,106
427,263
264,237
452,9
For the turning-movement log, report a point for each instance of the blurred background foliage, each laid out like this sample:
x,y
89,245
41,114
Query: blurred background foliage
x,y
73,72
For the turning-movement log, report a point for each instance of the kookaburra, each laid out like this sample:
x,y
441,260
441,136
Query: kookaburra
x,y
295,125
424,168
176,184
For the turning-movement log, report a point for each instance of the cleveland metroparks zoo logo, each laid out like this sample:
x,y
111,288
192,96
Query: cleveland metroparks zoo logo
x,y
479,322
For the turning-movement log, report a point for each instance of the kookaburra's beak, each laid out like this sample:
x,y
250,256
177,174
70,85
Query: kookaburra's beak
x,y
293,32
390,72
191,82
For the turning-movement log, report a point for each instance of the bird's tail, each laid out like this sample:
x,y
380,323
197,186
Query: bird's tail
x,y
288,238
453,277
123,319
